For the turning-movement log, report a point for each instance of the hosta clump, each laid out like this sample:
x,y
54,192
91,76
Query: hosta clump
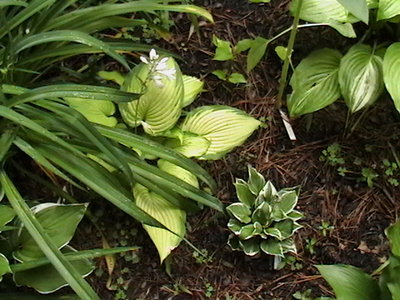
x,y
264,219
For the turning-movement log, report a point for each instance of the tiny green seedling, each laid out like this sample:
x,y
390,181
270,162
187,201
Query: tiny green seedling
x,y
325,228
310,245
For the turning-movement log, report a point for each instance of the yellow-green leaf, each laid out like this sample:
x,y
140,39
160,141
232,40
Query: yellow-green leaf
x,y
192,88
179,172
391,73
388,9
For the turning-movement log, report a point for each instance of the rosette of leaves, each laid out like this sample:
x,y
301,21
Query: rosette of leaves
x,y
264,219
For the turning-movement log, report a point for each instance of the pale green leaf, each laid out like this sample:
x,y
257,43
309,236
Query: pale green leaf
x,y
240,212
350,283
224,49
272,247
359,8
237,78
192,88
388,9
391,73
221,74
256,52
115,76
159,108
179,172
163,211
223,126
96,111
360,77
59,222
315,82
4,266
373,4
45,279
6,214
281,52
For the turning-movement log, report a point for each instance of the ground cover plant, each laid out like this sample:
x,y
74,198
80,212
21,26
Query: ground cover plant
x,y
348,191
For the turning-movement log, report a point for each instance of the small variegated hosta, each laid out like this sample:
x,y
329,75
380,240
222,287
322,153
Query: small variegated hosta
x,y
264,219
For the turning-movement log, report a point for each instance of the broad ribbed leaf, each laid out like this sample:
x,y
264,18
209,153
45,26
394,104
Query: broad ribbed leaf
x,y
358,8
350,283
6,214
388,9
315,82
360,77
4,266
45,279
393,234
99,112
58,221
391,73
170,216
225,127
159,108
189,144
179,172
192,88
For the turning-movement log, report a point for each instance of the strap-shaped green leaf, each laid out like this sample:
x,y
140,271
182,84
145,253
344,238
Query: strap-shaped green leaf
x,y
315,82
391,73
360,77
170,216
388,9
350,283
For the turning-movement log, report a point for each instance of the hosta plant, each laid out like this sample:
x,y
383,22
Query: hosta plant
x,y
351,283
360,76
264,219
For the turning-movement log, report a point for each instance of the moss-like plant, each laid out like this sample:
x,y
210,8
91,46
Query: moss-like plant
x,y
264,219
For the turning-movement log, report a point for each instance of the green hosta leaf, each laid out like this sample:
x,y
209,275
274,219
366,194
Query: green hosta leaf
x,y
278,214
250,247
350,283
359,8
46,279
286,228
256,52
4,266
324,11
6,214
256,181
274,232
393,234
243,193
388,9
163,211
240,211
224,49
98,111
287,200
179,172
295,215
391,73
115,76
59,222
315,82
247,232
272,247
360,77
269,191
262,214
189,144
192,88
233,242
159,108
225,127
235,226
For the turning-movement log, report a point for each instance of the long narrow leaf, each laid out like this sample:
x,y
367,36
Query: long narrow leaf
x,y
64,267
6,141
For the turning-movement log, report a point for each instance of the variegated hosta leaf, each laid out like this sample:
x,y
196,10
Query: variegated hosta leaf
x,y
388,9
192,88
59,221
327,11
189,144
179,172
250,247
4,266
46,279
256,181
243,193
163,211
391,73
360,77
161,85
315,82
225,127
96,111
240,211
272,247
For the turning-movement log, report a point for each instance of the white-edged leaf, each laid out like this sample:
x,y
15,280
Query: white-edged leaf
x,y
388,9
360,77
4,266
240,211
243,193
159,107
350,283
96,111
45,279
256,180
179,172
58,220
163,211
359,8
251,247
272,247
315,82
192,88
391,73
223,126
